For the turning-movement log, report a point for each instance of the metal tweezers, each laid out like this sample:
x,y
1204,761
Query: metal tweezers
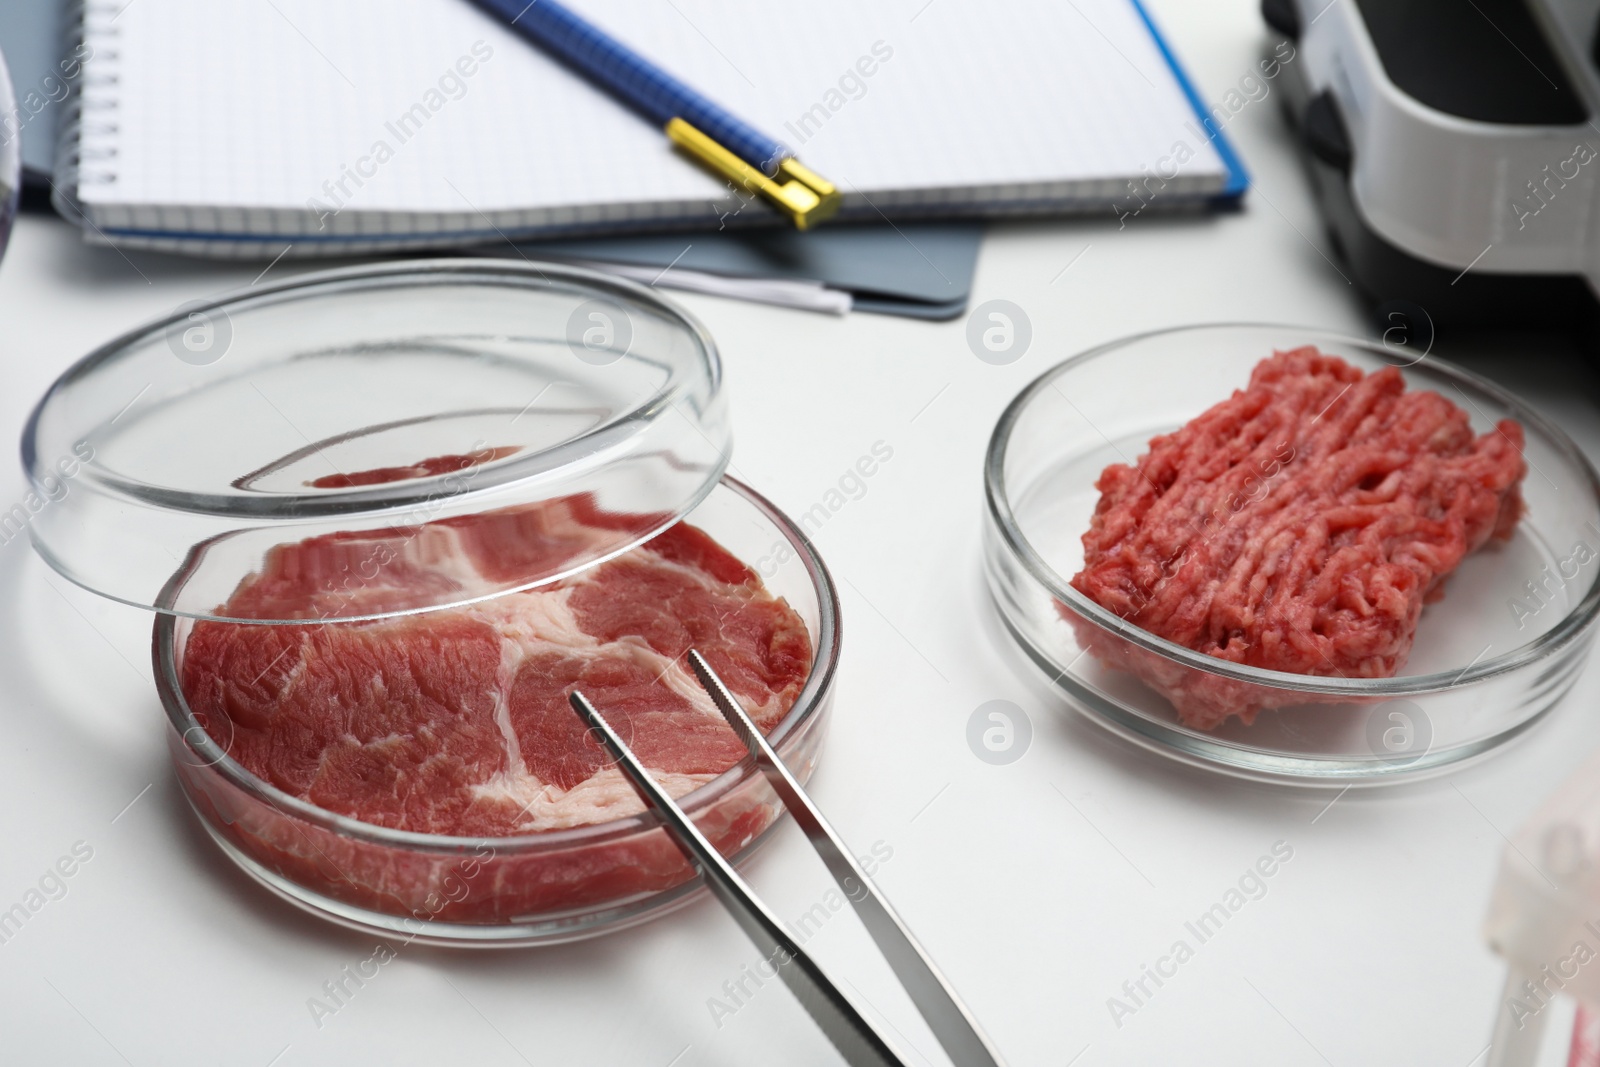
x,y
857,1040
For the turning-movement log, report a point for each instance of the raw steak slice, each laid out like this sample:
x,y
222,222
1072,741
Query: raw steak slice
x,y
1299,526
456,721
346,575
431,467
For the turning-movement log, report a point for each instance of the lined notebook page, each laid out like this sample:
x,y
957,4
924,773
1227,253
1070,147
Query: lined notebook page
x,y
369,117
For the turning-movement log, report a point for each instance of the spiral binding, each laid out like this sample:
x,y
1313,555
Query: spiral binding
x,y
88,24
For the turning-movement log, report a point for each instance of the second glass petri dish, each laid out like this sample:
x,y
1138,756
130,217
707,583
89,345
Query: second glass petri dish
x,y
1495,655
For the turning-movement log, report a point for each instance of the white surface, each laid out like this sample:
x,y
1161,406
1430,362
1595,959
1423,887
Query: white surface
x,y
1365,949
305,101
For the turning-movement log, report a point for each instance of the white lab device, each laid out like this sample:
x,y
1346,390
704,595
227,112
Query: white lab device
x,y
1455,150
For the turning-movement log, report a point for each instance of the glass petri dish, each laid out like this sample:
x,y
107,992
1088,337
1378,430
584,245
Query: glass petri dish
x,y
531,889
365,399
407,439
1494,656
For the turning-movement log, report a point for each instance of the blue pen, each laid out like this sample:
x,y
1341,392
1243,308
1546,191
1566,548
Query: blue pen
x,y
719,140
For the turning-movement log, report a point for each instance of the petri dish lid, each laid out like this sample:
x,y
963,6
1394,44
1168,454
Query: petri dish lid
x,y
339,443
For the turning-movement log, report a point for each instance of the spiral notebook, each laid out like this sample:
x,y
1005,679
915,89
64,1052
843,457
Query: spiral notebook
x,y
252,129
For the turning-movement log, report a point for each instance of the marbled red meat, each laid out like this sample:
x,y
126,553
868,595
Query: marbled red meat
x,y
1298,526
423,468
455,721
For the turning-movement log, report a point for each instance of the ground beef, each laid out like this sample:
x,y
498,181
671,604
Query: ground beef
x,y
1299,526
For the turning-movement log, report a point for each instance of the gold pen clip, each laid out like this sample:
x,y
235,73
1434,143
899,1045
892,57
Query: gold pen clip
x,y
803,195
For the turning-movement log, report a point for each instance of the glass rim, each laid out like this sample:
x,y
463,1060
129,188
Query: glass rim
x,y
388,495
1569,628
807,705
628,433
